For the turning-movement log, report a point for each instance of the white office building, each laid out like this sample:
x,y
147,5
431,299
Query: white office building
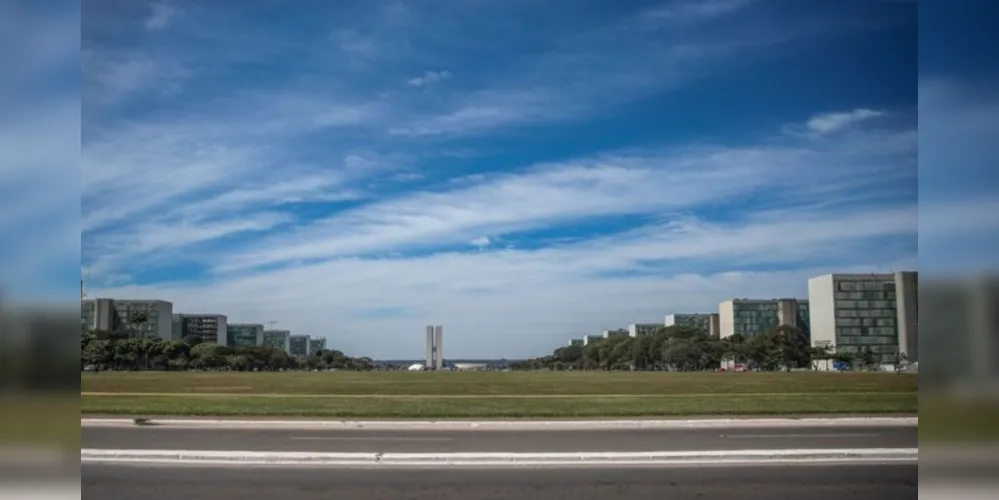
x,y
142,318
856,312
705,321
749,317
642,329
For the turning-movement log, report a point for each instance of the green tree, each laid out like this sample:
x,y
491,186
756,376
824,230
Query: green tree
x,y
208,356
98,353
867,359
795,351
640,348
192,340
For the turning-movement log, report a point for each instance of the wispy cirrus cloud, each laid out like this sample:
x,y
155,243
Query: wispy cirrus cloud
x,y
831,122
564,193
661,48
429,77
161,17
697,10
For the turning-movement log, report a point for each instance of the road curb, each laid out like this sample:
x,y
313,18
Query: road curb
x,y
496,459
504,425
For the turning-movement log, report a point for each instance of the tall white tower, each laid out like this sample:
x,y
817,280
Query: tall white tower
x,y
439,345
435,350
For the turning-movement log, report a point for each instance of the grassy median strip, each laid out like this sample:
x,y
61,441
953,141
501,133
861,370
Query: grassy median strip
x,y
490,394
494,383
438,407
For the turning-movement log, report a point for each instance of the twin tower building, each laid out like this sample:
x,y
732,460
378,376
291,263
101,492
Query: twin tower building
x,y
435,348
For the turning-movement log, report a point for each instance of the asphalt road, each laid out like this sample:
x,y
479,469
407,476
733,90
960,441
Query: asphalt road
x,y
826,482
496,441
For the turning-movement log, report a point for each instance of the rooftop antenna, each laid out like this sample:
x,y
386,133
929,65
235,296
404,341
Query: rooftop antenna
x,y
83,283
270,324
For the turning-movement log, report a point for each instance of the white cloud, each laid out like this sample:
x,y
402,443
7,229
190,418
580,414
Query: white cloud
x,y
156,237
558,289
693,10
161,16
832,122
357,47
429,77
634,57
641,183
525,302
112,77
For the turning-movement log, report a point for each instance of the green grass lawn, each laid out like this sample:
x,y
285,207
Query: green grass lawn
x,y
495,394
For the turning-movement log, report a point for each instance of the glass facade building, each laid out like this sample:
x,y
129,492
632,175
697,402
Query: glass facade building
x,y
316,345
88,315
642,329
277,338
298,345
749,317
244,334
209,327
140,318
702,321
855,313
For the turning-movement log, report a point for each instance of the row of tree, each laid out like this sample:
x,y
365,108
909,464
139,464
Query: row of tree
x,y
125,351
684,348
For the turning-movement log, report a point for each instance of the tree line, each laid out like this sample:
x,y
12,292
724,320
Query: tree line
x,y
125,351
685,348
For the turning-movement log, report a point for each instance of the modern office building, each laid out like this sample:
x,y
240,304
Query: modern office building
x,y
749,317
316,345
435,347
210,327
702,321
280,339
641,329
95,314
614,333
244,334
907,304
589,339
573,342
856,312
298,345
142,318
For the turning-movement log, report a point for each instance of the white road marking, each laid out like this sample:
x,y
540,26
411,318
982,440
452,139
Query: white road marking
x,y
324,438
216,424
803,436
195,457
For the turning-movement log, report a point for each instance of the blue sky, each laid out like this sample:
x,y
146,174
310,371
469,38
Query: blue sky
x,y
517,173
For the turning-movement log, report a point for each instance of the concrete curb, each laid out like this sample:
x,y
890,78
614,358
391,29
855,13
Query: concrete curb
x,y
497,459
497,425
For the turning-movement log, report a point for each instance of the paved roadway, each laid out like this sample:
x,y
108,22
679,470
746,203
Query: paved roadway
x,y
401,441
835,482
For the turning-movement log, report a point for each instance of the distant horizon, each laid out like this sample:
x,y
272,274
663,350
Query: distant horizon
x,y
447,360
